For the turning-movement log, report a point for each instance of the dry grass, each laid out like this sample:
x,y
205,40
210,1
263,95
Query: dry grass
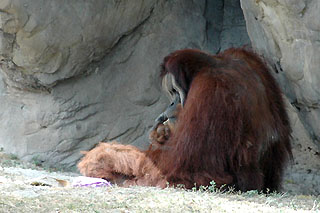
x,y
17,195
144,199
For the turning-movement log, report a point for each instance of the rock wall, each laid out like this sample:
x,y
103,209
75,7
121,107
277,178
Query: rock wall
x,y
286,33
76,72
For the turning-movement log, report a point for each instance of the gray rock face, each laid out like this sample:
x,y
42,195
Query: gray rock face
x,y
78,72
286,33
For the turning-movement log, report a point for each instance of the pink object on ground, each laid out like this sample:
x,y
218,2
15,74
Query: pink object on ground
x,y
83,181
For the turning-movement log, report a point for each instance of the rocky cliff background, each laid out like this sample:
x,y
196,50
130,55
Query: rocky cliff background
x,y
76,72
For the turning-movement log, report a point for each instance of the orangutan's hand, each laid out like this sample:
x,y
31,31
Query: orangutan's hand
x,y
161,133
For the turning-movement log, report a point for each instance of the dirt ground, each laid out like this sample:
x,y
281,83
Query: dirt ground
x,y
26,187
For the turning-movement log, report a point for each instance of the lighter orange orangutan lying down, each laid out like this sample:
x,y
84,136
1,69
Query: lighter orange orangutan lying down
x,y
230,125
126,165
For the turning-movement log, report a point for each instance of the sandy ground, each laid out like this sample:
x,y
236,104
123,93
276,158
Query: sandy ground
x,y
25,187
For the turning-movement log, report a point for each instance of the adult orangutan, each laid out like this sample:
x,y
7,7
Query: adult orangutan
x,y
232,126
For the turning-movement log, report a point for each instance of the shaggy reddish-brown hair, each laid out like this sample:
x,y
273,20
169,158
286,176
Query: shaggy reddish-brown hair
x,y
122,164
233,127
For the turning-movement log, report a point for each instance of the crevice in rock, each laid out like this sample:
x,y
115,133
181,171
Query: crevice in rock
x,y
213,14
128,33
120,134
207,22
117,43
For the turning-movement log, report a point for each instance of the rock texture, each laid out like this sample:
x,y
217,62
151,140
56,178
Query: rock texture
x,y
76,72
286,33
